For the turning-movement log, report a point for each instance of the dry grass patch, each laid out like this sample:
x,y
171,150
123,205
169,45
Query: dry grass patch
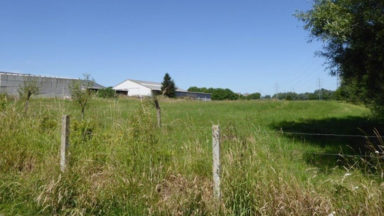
x,y
181,196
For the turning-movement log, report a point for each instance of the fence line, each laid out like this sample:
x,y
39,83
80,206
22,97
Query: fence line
x,y
329,135
380,155
291,132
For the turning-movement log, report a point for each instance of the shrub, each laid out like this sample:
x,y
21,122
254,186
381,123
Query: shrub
x,y
80,93
30,87
3,101
106,93
253,96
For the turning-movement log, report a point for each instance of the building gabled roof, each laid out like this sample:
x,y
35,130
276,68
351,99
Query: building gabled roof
x,y
33,75
151,85
94,86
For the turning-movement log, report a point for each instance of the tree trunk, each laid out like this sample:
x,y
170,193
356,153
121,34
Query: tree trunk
x,y
158,111
26,105
27,101
82,113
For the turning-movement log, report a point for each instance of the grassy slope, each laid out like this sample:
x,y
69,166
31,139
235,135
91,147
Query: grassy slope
x,y
129,167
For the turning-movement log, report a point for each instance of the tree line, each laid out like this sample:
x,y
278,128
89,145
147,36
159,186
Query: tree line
x,y
319,94
224,93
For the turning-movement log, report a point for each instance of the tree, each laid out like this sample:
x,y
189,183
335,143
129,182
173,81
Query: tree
x,y
168,87
224,94
325,95
217,93
267,97
30,87
80,92
253,96
353,34
197,89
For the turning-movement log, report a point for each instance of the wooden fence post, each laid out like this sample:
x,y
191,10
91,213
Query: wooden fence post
x,y
64,142
216,160
158,111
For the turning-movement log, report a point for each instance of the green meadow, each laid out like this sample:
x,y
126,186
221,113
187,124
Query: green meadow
x,y
121,163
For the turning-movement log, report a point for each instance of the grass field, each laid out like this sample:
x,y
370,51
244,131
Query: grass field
x,y
122,164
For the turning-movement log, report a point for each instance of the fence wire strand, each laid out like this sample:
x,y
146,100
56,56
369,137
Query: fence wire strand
x,y
377,156
329,135
289,132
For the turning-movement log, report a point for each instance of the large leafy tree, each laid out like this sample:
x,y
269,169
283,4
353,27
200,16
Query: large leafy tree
x,y
168,87
353,34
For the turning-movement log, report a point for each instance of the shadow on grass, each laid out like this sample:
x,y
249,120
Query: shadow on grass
x,y
333,145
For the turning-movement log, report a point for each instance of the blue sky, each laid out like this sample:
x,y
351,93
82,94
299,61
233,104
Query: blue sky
x,y
245,45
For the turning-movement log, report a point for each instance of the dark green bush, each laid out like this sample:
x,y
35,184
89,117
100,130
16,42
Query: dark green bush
x,y
106,93
253,96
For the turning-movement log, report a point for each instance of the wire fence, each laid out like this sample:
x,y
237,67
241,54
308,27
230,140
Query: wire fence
x,y
282,132
379,154
329,135
347,155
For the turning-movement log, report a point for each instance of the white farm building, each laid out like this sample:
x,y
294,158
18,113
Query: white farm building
x,y
136,88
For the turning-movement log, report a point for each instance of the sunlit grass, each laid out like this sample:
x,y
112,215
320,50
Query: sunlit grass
x,y
122,164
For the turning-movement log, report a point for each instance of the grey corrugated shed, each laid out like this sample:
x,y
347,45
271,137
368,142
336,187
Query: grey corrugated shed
x,y
48,86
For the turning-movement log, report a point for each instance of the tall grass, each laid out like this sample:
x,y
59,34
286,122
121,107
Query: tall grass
x,y
120,163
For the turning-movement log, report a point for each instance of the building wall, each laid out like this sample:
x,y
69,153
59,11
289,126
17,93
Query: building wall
x,y
138,90
134,89
48,86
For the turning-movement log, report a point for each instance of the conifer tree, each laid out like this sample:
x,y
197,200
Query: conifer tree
x,y
168,86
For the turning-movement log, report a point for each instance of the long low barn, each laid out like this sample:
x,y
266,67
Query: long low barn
x,y
137,88
10,83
